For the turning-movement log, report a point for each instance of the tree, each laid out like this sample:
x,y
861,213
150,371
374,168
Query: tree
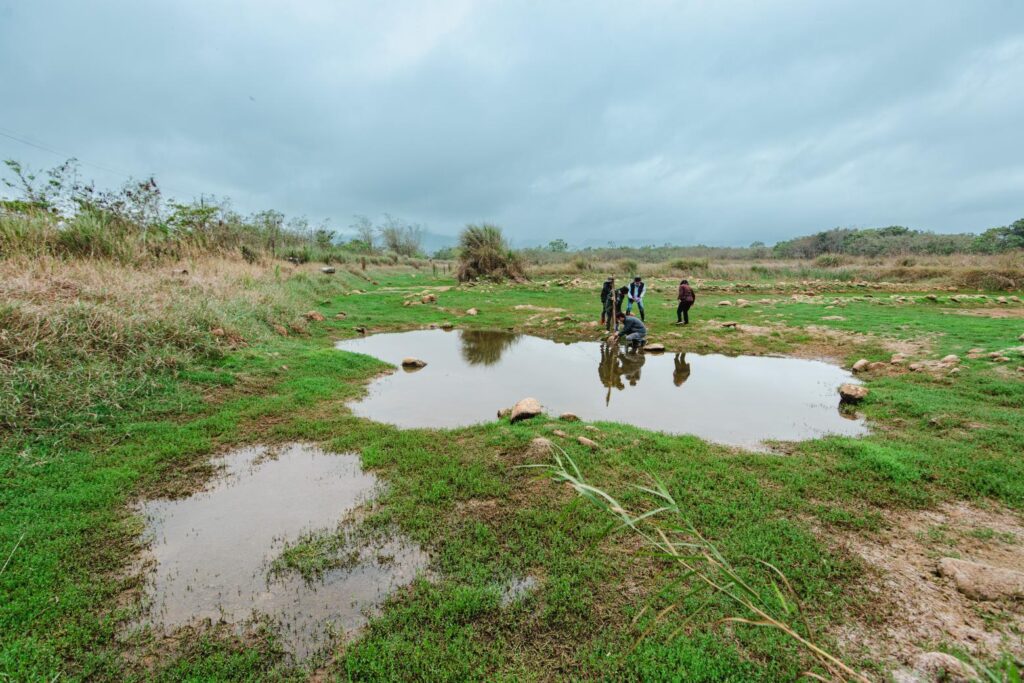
x,y
400,237
364,230
324,238
558,246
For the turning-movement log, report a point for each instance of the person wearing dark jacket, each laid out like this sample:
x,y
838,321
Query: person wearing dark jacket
x,y
686,298
632,330
621,294
607,310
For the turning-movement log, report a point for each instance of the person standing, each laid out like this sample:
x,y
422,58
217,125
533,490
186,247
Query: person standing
x,y
608,302
686,298
636,296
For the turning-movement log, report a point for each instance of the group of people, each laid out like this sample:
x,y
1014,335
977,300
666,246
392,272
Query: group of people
x,y
630,328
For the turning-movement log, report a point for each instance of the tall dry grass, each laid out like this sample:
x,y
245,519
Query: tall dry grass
x,y
81,339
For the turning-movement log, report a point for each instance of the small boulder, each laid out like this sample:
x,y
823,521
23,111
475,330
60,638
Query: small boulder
x,y
861,365
833,317
525,409
540,447
897,358
939,666
654,348
313,316
446,326
982,581
281,330
328,270
877,365
725,303
559,432
340,316
584,441
413,363
951,359
217,332
472,311
730,324
428,299
852,393
569,417
504,412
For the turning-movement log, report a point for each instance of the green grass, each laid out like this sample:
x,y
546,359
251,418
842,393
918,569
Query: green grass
x,y
486,521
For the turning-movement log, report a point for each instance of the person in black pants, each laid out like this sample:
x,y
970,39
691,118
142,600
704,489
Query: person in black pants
x,y
607,304
686,298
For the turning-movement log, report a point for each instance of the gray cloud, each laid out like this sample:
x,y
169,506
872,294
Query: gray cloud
x,y
684,122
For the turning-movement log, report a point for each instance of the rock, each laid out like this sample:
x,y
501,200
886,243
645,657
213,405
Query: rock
x,y
982,581
217,332
361,330
504,412
951,359
725,303
1021,338
852,393
428,299
944,668
729,324
472,311
1002,359
833,317
584,441
569,417
861,365
328,270
525,409
915,367
654,348
559,432
976,350
541,447
897,358
877,365
411,362
313,316
340,316
931,297
592,428
281,330
446,326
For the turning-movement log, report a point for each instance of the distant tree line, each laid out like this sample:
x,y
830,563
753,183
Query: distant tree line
x,y
897,240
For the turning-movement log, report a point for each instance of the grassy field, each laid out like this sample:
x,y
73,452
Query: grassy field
x,y
119,385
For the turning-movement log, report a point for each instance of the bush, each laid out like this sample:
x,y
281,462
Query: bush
x,y
581,264
483,252
629,267
830,261
688,264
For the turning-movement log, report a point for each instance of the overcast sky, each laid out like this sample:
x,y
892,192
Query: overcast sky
x,y
684,122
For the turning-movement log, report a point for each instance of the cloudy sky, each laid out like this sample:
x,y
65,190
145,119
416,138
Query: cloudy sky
x,y
684,122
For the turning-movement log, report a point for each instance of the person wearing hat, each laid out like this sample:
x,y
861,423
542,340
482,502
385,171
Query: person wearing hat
x,y
636,296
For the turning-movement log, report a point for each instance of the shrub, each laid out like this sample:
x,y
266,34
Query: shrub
x,y
830,261
581,264
483,252
629,267
688,264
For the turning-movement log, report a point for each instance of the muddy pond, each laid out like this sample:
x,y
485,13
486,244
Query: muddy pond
x,y
212,554
471,374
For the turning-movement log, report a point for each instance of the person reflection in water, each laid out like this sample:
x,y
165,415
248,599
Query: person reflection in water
x,y
610,367
631,363
681,372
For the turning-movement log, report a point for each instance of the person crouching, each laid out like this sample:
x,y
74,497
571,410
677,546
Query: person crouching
x,y
631,331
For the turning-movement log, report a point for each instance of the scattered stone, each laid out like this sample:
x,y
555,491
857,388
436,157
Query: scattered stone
x,y
852,393
411,362
944,668
584,441
328,270
931,297
504,412
569,417
951,359
472,311
541,446
281,330
1002,359
446,326
861,365
428,299
877,365
982,581
730,324
313,316
361,330
217,332
897,358
525,409
976,351
654,348
340,316
915,367
592,428
833,317
725,303
559,432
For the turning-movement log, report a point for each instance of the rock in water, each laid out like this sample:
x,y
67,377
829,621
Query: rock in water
x,y
410,362
981,581
525,409
852,393
654,348
861,365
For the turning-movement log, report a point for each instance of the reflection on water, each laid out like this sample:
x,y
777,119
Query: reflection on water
x,y
733,400
212,551
484,347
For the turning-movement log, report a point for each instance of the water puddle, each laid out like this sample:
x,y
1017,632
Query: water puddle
x,y
471,374
213,551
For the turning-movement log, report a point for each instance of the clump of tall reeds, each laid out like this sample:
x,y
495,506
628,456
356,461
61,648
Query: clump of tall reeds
x,y
484,253
670,535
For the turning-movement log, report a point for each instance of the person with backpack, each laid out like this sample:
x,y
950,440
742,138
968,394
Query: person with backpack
x,y
686,297
636,296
